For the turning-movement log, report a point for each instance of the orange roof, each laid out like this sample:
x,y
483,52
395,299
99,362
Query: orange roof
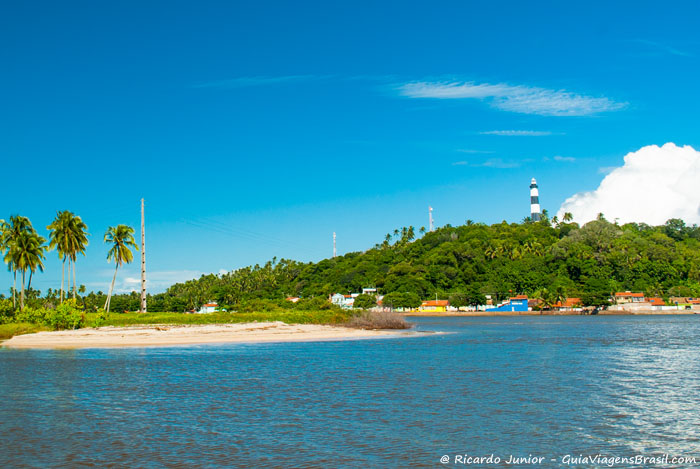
x,y
568,303
436,303
655,301
210,304
627,293
519,297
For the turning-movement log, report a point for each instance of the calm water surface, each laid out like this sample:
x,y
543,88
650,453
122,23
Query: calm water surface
x,y
547,386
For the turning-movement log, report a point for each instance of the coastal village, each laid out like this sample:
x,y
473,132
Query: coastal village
x,y
621,302
626,302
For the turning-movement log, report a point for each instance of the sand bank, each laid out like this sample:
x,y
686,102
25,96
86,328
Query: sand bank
x,y
167,335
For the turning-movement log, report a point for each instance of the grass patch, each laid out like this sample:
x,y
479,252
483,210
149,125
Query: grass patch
x,y
362,320
18,328
286,316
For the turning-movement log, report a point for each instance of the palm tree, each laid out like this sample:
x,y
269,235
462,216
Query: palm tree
x,y
59,239
545,297
491,251
10,233
121,237
559,295
78,242
27,253
567,217
411,233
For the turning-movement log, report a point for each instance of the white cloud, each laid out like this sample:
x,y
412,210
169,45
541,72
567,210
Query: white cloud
x,y
499,163
513,98
654,184
517,133
566,159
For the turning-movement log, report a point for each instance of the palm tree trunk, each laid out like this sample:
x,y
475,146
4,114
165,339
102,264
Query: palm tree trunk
x,y
73,279
63,275
14,291
109,297
68,283
29,284
21,297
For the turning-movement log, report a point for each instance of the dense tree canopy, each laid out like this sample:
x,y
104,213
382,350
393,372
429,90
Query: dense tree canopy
x,y
544,260
467,262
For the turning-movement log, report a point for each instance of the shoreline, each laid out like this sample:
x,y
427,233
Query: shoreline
x,y
547,313
177,335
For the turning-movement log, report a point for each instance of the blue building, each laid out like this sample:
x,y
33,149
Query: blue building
x,y
515,304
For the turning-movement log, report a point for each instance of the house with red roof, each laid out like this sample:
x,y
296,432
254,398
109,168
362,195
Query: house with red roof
x,y
628,297
569,304
208,308
656,301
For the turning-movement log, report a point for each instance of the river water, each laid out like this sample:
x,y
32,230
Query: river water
x,y
542,386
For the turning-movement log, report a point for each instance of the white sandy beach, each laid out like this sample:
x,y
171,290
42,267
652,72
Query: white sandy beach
x,y
167,335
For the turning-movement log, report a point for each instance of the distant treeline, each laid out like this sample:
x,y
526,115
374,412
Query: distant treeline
x,y
501,260
589,262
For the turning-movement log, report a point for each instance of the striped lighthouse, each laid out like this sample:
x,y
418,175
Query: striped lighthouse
x,y
534,201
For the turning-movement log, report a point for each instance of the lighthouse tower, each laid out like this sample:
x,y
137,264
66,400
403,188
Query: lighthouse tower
x,y
534,201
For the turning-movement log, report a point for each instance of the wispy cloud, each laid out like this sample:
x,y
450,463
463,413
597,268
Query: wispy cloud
x,y
496,163
566,159
517,133
658,47
514,98
244,82
474,152
499,163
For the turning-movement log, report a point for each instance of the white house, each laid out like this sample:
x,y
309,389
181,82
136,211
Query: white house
x,y
207,308
344,301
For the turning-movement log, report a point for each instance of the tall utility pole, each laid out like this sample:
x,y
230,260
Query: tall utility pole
x,y
143,260
430,217
335,252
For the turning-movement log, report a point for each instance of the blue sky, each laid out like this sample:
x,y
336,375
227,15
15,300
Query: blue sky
x,y
257,129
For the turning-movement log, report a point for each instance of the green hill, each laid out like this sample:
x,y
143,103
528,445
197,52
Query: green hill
x,y
476,259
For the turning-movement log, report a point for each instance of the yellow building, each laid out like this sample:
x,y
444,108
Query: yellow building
x,y
434,306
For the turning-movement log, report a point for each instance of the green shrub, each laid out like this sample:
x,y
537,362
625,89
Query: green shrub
x,y
365,301
65,316
258,305
7,312
32,315
314,304
100,319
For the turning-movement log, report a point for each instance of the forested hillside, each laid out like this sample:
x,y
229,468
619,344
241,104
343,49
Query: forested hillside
x,y
499,260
